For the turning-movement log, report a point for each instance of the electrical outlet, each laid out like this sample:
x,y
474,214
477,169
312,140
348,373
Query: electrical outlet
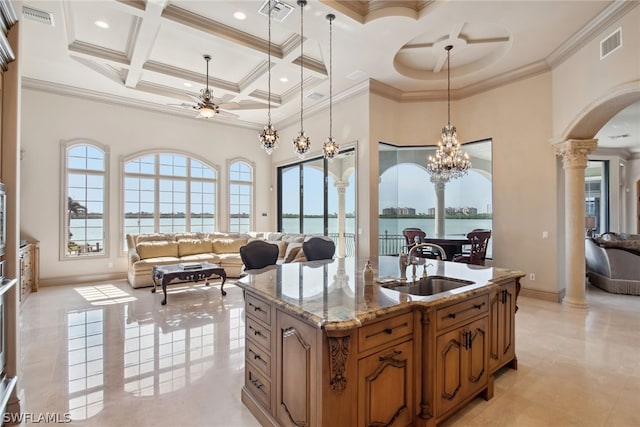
x,y
110,264
545,234
532,276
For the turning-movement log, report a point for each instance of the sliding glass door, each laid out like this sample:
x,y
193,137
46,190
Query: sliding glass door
x,y
317,196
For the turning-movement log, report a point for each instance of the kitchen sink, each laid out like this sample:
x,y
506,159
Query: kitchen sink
x,y
427,285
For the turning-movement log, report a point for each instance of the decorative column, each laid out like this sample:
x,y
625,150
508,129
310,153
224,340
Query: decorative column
x,y
341,187
574,159
440,215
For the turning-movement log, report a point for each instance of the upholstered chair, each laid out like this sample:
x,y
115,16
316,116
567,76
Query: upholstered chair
x,y
258,254
319,247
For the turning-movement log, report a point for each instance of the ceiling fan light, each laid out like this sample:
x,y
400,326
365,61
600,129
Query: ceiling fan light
x,y
206,112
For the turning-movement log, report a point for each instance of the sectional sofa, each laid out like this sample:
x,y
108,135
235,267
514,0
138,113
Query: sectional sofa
x,y
613,263
148,250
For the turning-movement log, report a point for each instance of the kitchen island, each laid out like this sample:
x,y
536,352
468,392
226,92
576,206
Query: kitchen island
x,y
323,348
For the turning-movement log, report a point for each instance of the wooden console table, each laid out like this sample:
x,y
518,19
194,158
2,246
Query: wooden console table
x,y
164,274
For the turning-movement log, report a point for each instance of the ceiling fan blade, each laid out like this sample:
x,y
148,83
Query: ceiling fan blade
x,y
230,105
185,106
198,100
227,114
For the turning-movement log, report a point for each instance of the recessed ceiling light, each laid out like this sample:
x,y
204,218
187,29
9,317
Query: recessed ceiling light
x,y
102,24
284,79
240,16
187,84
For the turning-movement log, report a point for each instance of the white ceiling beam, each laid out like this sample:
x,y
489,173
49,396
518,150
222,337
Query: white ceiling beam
x,y
145,38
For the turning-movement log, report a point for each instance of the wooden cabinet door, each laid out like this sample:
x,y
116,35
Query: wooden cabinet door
x,y
449,361
475,368
385,384
296,383
502,326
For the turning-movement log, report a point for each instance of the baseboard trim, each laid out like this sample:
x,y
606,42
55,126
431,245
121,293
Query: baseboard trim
x,y
542,295
81,279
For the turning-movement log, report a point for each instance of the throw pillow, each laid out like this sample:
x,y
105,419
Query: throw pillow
x,y
194,246
157,249
292,251
228,246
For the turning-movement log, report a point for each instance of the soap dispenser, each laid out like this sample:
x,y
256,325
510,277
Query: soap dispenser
x,y
367,273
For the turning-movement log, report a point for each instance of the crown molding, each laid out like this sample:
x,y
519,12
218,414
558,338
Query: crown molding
x,y
608,16
74,92
88,49
622,153
323,105
180,73
398,95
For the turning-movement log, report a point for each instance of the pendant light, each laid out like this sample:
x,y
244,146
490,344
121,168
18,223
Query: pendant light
x,y
301,143
449,162
269,136
330,148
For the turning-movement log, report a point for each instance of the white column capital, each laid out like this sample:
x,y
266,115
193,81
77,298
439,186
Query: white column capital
x,y
574,152
341,185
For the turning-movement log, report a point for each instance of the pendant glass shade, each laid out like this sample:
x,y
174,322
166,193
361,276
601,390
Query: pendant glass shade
x,y
449,162
330,148
301,143
269,136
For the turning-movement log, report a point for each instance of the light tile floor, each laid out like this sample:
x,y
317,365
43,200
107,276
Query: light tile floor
x,y
110,355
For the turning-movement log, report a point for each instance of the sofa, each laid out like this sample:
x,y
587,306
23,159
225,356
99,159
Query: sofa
x,y
147,250
613,263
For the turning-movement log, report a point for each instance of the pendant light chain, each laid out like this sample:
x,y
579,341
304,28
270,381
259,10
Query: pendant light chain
x,y
269,69
449,85
331,78
301,143
301,58
269,136
330,147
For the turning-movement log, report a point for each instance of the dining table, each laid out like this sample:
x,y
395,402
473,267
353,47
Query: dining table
x,y
452,244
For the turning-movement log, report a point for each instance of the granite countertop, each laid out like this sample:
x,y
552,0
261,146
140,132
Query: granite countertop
x,y
332,294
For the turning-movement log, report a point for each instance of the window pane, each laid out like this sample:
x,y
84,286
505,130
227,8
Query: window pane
x,y
85,211
163,202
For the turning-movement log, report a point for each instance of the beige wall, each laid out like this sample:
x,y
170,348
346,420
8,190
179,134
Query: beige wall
x,y
518,119
583,81
47,119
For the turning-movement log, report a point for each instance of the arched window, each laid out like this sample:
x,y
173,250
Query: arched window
x,y
84,231
240,195
167,192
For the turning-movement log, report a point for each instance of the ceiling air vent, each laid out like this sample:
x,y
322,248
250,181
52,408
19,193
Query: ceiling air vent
x,y
624,135
315,96
279,10
37,15
611,43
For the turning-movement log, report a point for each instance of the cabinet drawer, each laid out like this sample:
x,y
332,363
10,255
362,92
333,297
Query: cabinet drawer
x,y
382,332
258,333
257,308
462,311
258,356
258,385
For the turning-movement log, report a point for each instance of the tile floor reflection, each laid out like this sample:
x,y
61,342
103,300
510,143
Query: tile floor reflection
x,y
110,355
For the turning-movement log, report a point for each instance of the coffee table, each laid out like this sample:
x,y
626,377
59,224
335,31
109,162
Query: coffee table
x,y
163,274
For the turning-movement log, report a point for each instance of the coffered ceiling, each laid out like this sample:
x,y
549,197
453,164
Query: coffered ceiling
x,y
151,54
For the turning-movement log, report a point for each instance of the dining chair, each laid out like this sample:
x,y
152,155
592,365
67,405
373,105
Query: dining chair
x,y
479,240
258,254
414,236
319,247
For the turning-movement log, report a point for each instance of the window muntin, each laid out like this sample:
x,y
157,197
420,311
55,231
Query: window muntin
x,y
165,192
85,195
240,196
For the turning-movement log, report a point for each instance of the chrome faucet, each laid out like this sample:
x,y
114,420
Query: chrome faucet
x,y
406,259
443,254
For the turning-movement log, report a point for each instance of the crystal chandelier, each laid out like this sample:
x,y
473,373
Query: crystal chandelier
x,y
330,148
269,136
301,143
449,162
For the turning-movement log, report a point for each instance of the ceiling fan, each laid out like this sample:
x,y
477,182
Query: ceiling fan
x,y
206,105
